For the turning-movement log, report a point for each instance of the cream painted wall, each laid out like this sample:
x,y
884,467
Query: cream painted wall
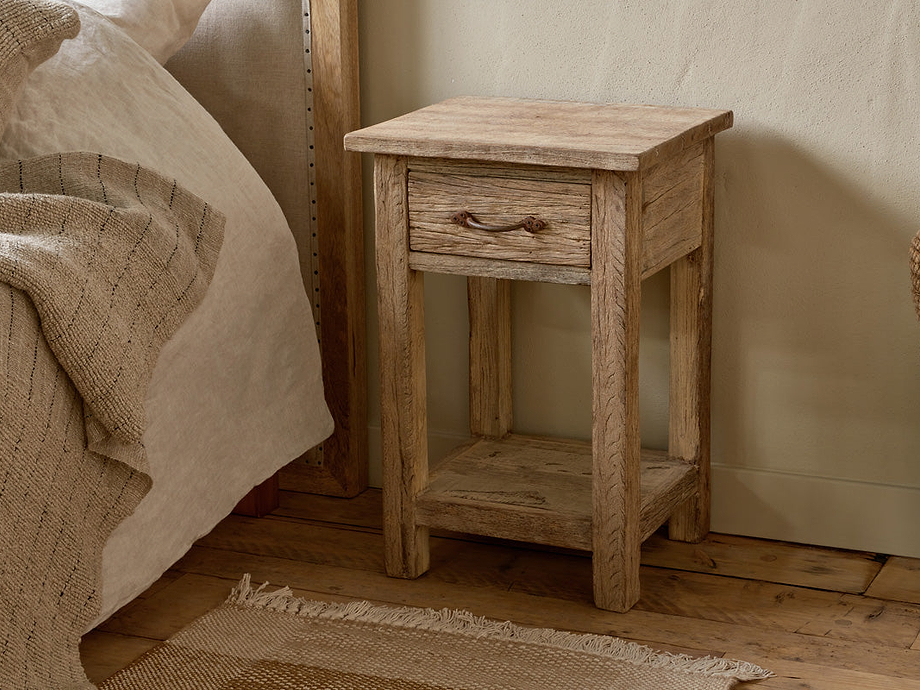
x,y
816,352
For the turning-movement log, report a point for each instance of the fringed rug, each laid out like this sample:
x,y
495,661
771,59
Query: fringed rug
x,y
271,640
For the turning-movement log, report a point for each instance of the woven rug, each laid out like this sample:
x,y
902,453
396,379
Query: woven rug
x,y
259,640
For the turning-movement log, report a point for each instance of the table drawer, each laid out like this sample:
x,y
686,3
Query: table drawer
x,y
501,197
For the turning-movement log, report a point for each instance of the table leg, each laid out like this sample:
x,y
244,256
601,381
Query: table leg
x,y
490,356
403,415
691,342
615,302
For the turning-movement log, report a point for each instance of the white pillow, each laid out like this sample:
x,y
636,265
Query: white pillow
x,y
161,27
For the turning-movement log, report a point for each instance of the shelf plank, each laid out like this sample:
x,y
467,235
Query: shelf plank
x,y
538,490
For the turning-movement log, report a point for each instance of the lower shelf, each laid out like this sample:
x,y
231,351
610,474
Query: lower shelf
x,y
538,490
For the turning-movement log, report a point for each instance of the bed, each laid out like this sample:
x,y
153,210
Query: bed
x,y
263,371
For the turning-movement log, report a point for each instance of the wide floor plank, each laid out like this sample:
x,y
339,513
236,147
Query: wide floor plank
x,y
803,612
105,653
748,642
899,580
770,561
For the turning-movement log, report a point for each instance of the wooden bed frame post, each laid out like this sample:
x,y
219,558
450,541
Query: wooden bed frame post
x,y
339,466
343,469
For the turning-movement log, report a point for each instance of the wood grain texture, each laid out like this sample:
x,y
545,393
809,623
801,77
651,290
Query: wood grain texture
x,y
672,209
668,173
576,135
497,268
404,417
261,500
752,559
105,653
691,346
689,606
538,490
489,301
609,231
515,270
616,246
782,607
502,194
475,582
719,555
189,593
476,168
899,580
364,510
341,467
565,207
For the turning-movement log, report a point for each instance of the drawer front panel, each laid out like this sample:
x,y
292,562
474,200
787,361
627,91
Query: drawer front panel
x,y
500,197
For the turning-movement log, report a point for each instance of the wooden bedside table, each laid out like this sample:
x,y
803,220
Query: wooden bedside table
x,y
601,195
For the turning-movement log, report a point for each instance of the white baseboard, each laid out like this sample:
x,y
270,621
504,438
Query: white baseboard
x,y
821,511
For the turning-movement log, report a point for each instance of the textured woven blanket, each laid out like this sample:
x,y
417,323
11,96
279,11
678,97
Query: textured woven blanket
x,y
100,262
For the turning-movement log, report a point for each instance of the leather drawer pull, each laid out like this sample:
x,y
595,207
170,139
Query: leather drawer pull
x,y
468,220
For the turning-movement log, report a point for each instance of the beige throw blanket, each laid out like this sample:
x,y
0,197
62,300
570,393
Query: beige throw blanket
x,y
100,262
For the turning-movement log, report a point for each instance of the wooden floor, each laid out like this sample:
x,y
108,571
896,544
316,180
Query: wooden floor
x,y
818,618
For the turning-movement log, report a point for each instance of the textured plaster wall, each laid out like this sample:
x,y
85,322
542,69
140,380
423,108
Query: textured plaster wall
x,y
816,352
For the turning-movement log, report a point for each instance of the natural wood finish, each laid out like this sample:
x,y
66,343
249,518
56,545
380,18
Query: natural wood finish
x,y
721,554
544,173
672,208
512,270
507,130
105,653
661,178
899,580
691,345
404,418
772,615
364,510
341,467
261,500
615,228
539,489
565,207
489,302
189,594
497,268
616,245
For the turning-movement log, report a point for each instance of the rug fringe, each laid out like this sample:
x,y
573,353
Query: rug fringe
x,y
465,623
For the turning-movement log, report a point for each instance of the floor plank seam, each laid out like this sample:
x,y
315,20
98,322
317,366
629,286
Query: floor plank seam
x,y
728,596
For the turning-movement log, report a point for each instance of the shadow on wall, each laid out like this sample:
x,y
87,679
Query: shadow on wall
x,y
815,349
394,88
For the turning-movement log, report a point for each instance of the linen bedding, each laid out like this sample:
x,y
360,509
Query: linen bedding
x,y
236,392
100,262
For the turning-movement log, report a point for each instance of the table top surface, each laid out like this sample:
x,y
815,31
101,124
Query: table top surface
x,y
558,133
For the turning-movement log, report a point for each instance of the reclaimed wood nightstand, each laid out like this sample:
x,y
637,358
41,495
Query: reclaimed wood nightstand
x,y
603,195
